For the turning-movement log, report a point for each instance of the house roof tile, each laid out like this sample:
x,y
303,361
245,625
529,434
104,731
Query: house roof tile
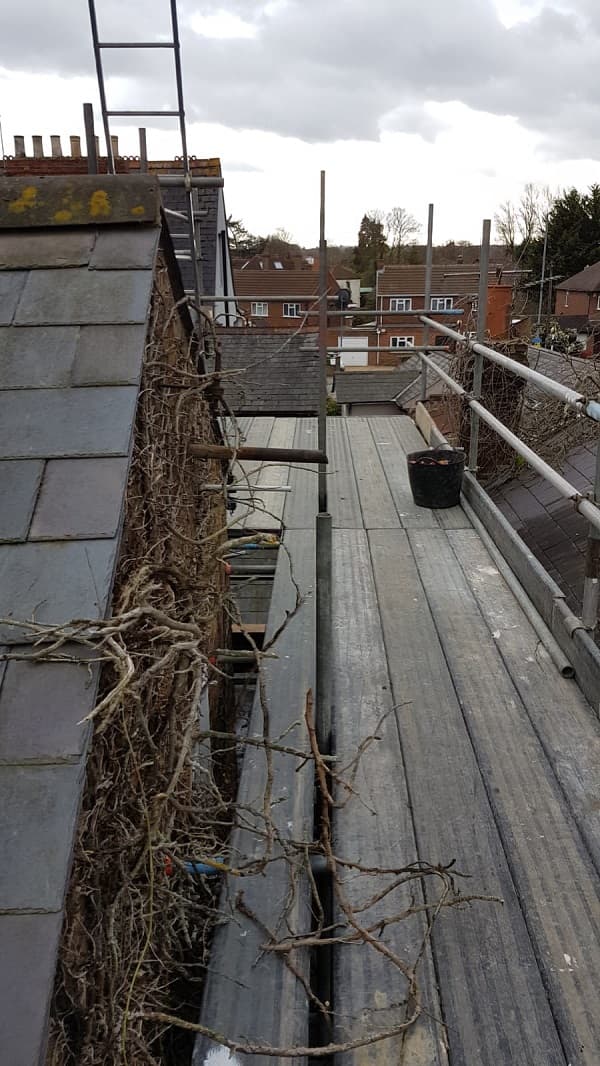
x,y
587,280
372,387
277,371
410,281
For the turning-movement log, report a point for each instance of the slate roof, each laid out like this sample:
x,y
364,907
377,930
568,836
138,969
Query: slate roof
x,y
208,204
550,526
371,387
587,280
73,315
278,371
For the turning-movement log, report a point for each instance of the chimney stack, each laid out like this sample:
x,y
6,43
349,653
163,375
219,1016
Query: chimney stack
x,y
20,147
38,147
56,146
75,147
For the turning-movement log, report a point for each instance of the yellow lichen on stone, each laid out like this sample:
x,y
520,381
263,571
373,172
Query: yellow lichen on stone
x,y
63,216
138,210
100,204
25,201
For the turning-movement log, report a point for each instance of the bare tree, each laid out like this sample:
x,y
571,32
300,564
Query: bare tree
x,y
506,226
517,225
400,226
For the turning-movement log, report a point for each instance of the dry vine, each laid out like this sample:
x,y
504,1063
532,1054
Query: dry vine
x,y
138,923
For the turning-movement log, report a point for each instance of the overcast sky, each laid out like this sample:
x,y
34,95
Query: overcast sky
x,y
460,102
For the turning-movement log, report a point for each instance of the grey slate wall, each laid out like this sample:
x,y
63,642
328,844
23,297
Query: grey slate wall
x,y
74,305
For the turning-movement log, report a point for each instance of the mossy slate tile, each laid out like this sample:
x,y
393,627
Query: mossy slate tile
x,y
54,423
125,248
19,484
80,498
41,706
80,296
11,287
53,583
38,811
55,248
28,948
109,355
37,357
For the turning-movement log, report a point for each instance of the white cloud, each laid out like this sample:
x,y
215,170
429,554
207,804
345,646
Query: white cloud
x,y
222,25
490,94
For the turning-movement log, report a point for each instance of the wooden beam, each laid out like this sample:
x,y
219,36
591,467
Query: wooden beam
x,y
272,455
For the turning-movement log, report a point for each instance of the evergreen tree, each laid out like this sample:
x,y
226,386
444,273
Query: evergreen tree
x,y
371,247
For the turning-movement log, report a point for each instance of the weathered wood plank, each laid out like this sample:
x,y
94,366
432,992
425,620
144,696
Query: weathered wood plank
x,y
567,727
493,998
377,505
553,872
342,493
273,503
251,994
301,504
246,474
374,827
392,443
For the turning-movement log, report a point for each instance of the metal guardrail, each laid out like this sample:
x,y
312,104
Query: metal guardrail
x,y
586,506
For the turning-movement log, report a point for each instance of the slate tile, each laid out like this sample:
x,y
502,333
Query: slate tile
x,y
53,583
109,355
28,949
37,357
40,706
584,461
19,484
125,248
38,811
579,480
11,287
50,248
81,297
80,498
50,423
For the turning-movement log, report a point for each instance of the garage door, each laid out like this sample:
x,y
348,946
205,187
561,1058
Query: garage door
x,y
355,351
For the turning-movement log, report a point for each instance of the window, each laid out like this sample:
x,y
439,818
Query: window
x,y
567,299
597,304
310,259
402,342
400,303
277,265
292,310
259,310
475,305
442,303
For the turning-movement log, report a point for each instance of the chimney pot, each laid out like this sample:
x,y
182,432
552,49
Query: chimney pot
x,y
97,140
20,147
56,146
38,147
75,147
114,143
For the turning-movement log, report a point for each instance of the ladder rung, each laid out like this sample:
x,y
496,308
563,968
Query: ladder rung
x,y
139,114
136,44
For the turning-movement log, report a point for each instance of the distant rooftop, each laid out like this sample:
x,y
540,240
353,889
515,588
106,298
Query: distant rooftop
x,y
379,386
278,371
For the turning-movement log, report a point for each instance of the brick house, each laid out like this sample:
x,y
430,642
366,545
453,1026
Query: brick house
x,y
280,298
401,288
579,295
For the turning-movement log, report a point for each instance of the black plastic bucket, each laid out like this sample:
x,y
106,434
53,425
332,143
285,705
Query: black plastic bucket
x,y
436,476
